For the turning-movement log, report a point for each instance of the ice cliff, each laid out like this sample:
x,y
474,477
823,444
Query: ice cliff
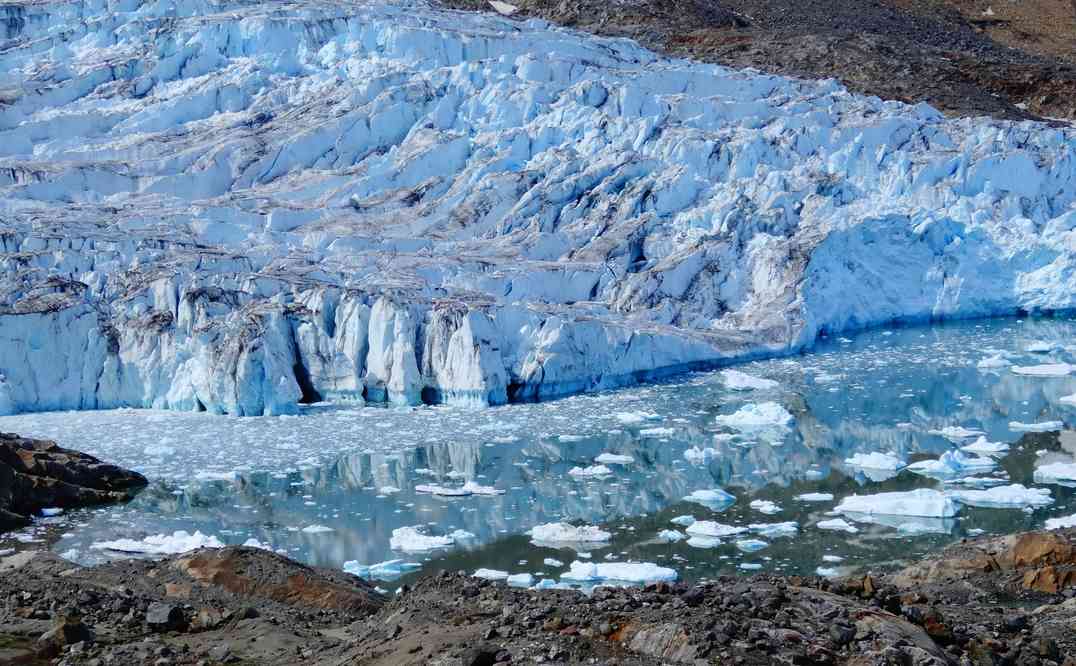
x,y
240,206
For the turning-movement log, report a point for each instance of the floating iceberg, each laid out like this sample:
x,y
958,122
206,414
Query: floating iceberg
x,y
683,521
957,433
557,534
1046,370
1015,496
594,471
317,529
986,448
919,502
411,540
837,524
741,381
1056,472
750,566
715,499
632,418
714,530
766,419
1045,426
671,536
490,574
773,530
994,362
815,497
953,464
765,506
550,562
876,460
388,570
827,572
614,459
1064,522
520,580
751,545
161,544
639,573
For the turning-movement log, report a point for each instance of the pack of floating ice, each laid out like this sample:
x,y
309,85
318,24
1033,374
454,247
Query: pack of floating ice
x,y
613,459
556,534
413,540
1061,523
837,524
1045,370
1015,496
1064,472
984,447
594,471
1043,426
957,433
765,506
387,570
715,499
637,573
161,544
766,419
918,502
741,381
953,464
876,460
773,530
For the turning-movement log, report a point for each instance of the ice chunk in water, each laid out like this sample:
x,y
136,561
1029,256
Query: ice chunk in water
x,y
683,521
490,574
632,418
1056,472
715,498
671,536
475,488
1045,370
919,502
1045,426
994,362
411,540
765,506
161,544
983,447
953,463
827,572
565,533
875,460
715,530
520,580
550,562
750,566
317,529
614,459
837,524
52,511
772,530
593,471
1061,523
387,570
618,572
765,419
815,497
957,433
1015,496
832,558
741,381
751,545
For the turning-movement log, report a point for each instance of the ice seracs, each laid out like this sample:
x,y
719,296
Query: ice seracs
x,y
282,203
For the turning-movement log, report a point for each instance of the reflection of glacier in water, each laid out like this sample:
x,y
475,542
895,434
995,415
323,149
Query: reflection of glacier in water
x,y
355,470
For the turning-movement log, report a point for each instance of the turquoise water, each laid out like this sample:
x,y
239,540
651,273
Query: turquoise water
x,y
354,469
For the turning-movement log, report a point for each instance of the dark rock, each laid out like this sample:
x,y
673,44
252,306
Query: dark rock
x,y
163,617
482,655
69,631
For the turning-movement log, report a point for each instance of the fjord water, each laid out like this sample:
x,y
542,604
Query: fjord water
x,y
354,469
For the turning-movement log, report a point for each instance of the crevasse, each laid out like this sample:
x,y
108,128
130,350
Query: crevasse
x,y
238,207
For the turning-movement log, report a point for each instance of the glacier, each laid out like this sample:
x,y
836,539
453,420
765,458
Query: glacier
x,y
239,208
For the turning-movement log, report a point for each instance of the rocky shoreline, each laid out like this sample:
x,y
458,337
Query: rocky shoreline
x,y
37,474
993,600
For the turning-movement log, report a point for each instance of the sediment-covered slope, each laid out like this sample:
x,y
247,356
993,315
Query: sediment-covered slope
x,y
236,207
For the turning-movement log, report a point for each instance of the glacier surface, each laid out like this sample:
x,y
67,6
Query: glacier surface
x,y
239,207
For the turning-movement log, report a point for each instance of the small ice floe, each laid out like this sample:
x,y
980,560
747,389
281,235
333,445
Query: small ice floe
x,y
815,497
1058,472
411,540
837,524
827,572
919,502
715,498
612,573
741,381
700,456
1015,496
683,521
708,534
768,420
1061,523
765,506
440,491
671,536
52,511
1045,426
994,362
614,459
986,448
1042,347
388,490
957,433
387,570
832,558
632,418
561,534
751,545
475,488
161,544
657,432
1045,370
774,530
317,529
952,464
490,574
750,566
592,472
977,481
876,460
550,562
254,543
520,580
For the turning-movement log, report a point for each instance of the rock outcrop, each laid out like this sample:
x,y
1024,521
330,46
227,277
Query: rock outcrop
x,y
239,208
37,474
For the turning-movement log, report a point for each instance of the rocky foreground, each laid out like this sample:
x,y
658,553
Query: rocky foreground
x,y
1002,600
37,474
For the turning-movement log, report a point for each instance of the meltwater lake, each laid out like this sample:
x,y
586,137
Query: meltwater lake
x,y
330,487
